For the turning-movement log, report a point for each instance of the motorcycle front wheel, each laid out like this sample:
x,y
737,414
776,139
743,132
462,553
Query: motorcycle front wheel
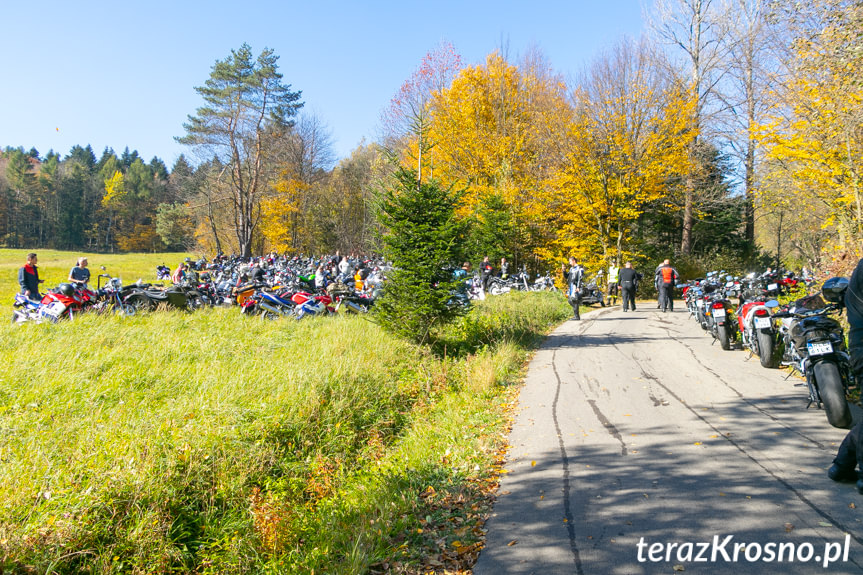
x,y
829,383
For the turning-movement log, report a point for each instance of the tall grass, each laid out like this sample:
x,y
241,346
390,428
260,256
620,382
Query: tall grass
x,y
208,442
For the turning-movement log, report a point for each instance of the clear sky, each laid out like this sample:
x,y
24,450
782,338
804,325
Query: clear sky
x,y
123,74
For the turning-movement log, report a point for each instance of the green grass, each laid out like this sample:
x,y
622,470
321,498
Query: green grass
x,y
54,267
208,442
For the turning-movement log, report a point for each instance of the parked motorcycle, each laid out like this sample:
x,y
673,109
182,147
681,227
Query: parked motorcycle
x,y
814,345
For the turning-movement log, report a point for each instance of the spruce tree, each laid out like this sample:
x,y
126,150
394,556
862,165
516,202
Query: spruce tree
x,y
423,239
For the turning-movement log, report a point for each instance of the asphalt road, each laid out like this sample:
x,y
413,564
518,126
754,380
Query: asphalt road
x,y
639,447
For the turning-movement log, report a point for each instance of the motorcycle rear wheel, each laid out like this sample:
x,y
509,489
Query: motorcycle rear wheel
x,y
828,380
724,336
766,349
495,289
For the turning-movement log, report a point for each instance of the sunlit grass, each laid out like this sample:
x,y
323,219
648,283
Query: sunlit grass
x,y
211,442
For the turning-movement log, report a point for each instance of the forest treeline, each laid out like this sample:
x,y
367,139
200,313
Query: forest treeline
x,y
728,136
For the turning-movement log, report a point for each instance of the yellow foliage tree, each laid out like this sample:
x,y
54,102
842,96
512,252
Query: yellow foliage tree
x,y
814,142
626,144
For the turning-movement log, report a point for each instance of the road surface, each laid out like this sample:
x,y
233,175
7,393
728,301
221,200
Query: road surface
x,y
639,448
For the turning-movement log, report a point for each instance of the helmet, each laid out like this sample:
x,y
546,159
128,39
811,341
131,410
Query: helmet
x,y
66,289
834,290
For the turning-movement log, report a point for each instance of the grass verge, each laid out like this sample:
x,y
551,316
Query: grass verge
x,y
210,443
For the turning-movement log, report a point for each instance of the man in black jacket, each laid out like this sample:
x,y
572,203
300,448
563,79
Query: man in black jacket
x,y
574,277
28,278
628,283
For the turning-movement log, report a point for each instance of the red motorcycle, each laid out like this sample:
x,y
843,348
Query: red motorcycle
x,y
65,301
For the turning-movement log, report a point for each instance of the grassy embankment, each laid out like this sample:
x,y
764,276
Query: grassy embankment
x,y
207,442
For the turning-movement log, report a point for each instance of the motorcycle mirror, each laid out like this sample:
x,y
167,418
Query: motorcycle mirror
x,y
771,303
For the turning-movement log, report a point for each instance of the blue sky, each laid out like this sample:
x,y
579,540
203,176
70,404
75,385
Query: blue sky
x,y
123,74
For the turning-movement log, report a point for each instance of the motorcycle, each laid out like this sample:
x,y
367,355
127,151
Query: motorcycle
x,y
591,294
814,345
755,324
146,297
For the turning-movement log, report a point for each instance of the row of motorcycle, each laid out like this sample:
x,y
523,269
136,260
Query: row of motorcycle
x,y
803,334
280,288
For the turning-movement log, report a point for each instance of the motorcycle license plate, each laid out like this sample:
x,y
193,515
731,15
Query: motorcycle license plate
x,y
772,287
819,347
699,303
718,313
762,322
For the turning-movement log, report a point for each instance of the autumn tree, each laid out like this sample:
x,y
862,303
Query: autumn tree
x,y
813,137
695,30
245,100
407,121
626,144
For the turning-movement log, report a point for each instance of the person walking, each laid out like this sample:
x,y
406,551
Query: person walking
x,y
613,282
80,275
666,276
28,278
486,271
628,284
574,277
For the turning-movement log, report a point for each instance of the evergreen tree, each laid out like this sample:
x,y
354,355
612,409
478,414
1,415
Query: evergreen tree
x,y
423,240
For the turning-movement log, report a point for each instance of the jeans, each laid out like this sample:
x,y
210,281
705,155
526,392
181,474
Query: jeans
x,y
850,453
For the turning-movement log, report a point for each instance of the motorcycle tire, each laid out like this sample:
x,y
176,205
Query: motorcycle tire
x,y
267,315
766,349
832,392
724,336
495,289
140,302
125,309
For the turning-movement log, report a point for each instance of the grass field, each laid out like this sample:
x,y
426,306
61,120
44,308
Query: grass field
x,y
211,443
54,267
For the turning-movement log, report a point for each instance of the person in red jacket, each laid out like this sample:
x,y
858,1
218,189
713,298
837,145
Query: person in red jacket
x,y
666,277
28,278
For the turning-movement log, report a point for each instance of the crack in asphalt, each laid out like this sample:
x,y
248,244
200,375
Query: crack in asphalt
x,y
741,396
570,523
612,430
800,496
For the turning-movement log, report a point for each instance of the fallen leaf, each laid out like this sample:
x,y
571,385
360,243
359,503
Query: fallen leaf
x,y
823,524
721,494
679,568
646,496
852,506
533,463
456,543
697,443
789,528
511,543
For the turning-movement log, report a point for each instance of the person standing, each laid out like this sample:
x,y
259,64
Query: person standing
x,y
574,277
486,270
504,268
613,281
28,278
850,453
80,275
666,276
628,285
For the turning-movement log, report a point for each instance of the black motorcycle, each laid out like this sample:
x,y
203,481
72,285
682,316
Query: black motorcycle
x,y
814,345
148,297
